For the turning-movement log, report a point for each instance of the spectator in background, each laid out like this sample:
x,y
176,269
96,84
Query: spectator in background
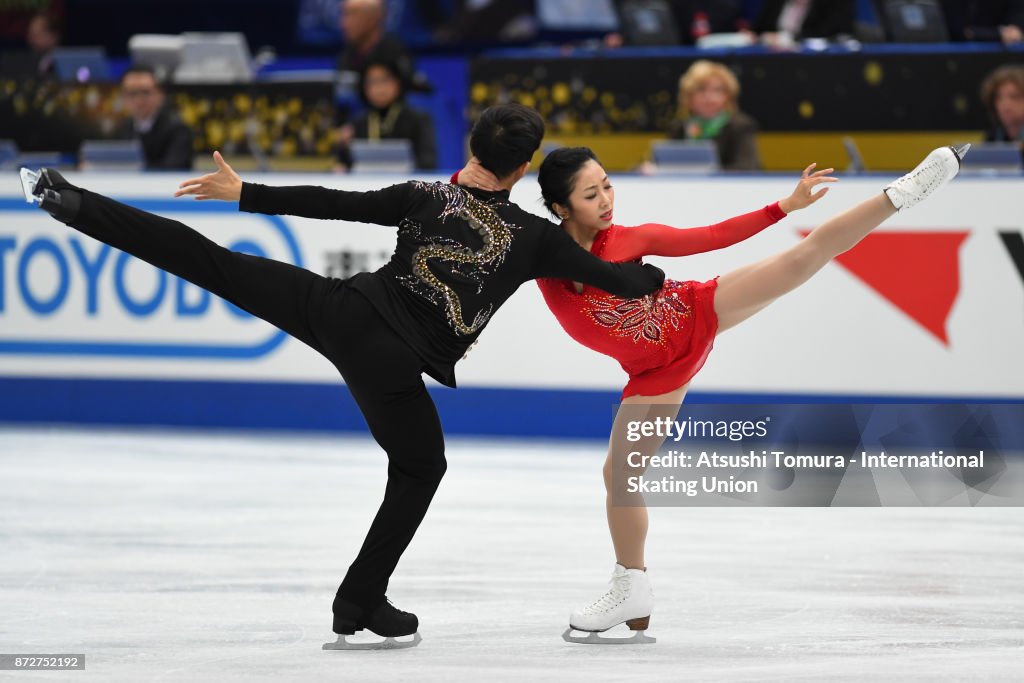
x,y
383,85
362,25
166,140
1003,95
985,20
781,22
690,20
708,110
42,37
485,22
698,18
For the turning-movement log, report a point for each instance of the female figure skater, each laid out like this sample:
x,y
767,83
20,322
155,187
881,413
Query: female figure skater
x,y
663,339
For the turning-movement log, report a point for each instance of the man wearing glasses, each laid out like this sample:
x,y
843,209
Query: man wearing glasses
x,y
166,140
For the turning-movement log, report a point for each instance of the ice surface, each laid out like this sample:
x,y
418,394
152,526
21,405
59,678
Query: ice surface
x,y
173,556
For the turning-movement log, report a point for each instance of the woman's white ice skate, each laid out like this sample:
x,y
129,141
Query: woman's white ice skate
x,y
937,169
630,600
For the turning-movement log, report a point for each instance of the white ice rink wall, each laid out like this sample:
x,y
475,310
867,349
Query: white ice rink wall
x,y
929,307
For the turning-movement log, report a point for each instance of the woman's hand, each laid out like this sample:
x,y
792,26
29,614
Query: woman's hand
x,y
476,176
223,184
804,195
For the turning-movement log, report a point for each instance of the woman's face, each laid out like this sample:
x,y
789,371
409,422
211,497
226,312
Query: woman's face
x,y
710,98
592,199
1009,106
381,87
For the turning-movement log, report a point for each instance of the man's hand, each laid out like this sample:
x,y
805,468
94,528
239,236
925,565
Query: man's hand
x,y
223,184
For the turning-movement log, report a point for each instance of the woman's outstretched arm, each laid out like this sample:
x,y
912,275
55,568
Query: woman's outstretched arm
x,y
654,239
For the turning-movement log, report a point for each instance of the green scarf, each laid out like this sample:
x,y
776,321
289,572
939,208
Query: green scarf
x,y
699,128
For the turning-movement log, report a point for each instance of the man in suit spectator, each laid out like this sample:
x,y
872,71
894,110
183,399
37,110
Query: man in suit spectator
x,y
362,25
166,140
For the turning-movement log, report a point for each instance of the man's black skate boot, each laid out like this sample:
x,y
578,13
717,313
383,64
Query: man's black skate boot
x,y
389,621
384,620
346,617
55,195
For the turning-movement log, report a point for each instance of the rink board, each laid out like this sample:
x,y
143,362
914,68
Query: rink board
x,y
929,308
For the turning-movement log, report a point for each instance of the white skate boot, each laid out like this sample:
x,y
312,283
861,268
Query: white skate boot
x,y
629,600
937,169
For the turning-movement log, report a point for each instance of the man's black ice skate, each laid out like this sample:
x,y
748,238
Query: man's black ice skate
x,y
384,620
52,192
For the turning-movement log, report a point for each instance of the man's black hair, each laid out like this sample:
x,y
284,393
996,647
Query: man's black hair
x,y
505,137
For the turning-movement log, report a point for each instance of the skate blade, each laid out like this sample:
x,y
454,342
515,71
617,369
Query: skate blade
x,y
595,638
386,644
961,151
28,184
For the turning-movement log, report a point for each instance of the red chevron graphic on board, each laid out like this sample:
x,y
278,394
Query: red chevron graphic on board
x,y
918,272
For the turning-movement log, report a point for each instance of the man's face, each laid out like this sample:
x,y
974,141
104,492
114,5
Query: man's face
x,y
39,36
359,18
142,95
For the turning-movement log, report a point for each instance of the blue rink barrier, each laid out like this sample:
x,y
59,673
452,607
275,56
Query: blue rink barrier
x,y
467,411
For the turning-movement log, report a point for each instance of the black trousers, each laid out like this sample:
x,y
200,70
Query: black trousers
x,y
381,370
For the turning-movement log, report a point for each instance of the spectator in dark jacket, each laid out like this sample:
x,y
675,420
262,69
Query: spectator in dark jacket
x,y
383,85
42,38
166,140
362,27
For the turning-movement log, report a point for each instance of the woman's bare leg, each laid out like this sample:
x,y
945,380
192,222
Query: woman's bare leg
x,y
627,512
745,291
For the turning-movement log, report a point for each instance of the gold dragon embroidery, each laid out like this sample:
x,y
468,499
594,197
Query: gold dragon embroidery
x,y
497,239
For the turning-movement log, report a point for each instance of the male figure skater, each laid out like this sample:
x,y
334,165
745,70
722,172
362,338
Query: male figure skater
x,y
460,254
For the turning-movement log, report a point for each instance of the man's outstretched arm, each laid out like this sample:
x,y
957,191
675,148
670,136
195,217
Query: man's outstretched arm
x,y
384,207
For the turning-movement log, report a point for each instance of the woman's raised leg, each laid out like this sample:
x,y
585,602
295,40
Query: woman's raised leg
x,y
745,291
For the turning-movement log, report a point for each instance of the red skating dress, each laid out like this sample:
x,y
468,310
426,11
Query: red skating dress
x,y
662,339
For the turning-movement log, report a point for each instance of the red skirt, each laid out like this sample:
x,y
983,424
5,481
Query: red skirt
x,y
687,347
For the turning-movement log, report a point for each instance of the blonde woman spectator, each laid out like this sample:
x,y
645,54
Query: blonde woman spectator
x,y
1003,95
708,110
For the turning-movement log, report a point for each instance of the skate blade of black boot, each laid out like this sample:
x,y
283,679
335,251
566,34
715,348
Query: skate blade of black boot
x,y
28,184
596,638
386,644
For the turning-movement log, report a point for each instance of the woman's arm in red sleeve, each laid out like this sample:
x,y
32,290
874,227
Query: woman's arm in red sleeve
x,y
653,239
